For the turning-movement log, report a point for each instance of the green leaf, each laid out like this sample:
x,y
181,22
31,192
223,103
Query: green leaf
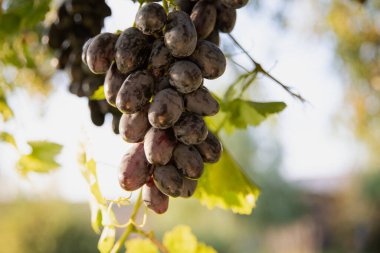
x,y
98,94
107,239
41,159
224,185
139,245
181,239
241,113
8,138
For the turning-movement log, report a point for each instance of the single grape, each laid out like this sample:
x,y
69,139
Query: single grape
x,y
203,16
190,129
210,59
151,18
159,146
188,161
101,52
226,19
135,92
166,108
211,149
132,49
97,116
154,199
201,102
133,127
135,170
180,34
185,76
112,83
188,188
160,59
168,180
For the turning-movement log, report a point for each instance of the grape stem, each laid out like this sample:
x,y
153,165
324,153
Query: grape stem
x,y
154,240
130,228
260,69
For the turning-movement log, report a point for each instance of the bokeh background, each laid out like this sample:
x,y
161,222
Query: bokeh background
x,y
317,163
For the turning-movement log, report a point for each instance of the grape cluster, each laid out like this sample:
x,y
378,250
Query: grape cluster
x,y
77,21
154,76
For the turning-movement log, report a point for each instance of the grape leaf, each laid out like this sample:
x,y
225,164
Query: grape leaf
x,y
224,185
139,245
98,94
107,239
41,159
8,138
240,113
181,239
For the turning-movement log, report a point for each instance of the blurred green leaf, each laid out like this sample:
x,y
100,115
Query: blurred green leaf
x,y
107,239
224,185
8,138
181,239
41,159
139,245
88,170
98,94
5,111
96,215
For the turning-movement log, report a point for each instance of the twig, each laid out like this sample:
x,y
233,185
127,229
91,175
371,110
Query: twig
x,y
260,69
130,228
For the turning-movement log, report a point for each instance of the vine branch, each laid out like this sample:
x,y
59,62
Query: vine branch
x,y
260,69
130,228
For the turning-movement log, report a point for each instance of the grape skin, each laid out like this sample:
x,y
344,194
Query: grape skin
x,y
134,170
188,187
201,102
203,16
132,49
180,35
185,76
210,59
154,199
159,146
100,53
133,127
235,4
166,108
135,92
211,149
226,18
160,59
168,180
188,160
190,129
151,18
112,83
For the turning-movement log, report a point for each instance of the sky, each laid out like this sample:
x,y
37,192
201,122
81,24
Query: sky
x,y
315,145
